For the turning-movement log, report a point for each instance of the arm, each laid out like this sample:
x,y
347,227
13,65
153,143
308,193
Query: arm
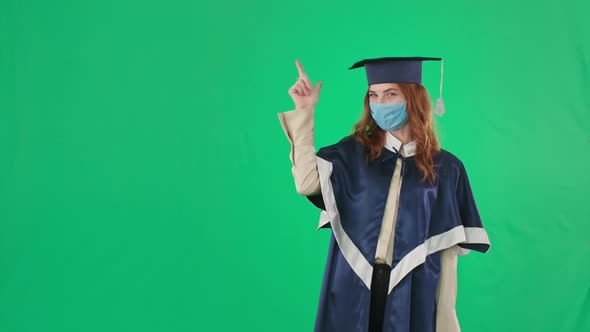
x,y
446,293
298,126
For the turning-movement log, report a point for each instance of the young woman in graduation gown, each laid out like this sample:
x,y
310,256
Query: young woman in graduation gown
x,y
400,208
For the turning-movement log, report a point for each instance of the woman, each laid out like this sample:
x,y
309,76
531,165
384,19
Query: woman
x,y
400,208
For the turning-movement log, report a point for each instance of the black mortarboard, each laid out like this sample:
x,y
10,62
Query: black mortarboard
x,y
399,70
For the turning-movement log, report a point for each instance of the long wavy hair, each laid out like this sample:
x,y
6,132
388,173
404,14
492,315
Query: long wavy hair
x,y
422,130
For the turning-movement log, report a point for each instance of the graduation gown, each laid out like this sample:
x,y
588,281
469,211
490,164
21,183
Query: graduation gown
x,y
430,219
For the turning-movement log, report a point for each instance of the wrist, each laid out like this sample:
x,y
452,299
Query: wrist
x,y
308,108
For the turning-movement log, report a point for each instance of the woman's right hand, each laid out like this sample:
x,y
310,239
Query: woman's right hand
x,y
303,94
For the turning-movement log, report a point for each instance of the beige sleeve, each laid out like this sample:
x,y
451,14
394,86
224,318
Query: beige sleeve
x,y
446,294
298,126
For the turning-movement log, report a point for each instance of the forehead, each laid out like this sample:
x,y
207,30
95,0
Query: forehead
x,y
383,86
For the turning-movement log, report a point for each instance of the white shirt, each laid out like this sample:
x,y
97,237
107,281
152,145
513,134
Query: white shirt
x,y
392,142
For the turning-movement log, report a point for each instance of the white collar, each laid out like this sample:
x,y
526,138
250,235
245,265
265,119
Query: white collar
x,y
392,144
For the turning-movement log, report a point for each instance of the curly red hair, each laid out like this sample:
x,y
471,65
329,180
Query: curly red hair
x,y
422,130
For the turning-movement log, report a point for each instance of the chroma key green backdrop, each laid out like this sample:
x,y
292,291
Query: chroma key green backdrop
x,y
145,181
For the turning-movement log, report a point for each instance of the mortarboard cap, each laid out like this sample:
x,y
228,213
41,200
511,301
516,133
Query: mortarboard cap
x,y
399,70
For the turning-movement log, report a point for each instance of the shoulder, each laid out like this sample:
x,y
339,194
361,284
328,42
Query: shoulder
x,y
450,168
448,158
344,147
448,164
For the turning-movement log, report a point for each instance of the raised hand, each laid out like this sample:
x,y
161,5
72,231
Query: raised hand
x,y
303,94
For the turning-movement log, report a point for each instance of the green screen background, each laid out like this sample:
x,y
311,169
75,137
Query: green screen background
x,y
145,180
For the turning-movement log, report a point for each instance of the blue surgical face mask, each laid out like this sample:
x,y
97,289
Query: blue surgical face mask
x,y
389,116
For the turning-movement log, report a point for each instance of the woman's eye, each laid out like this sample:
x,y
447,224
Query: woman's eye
x,y
390,94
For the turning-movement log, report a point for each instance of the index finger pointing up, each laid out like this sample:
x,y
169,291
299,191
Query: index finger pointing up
x,y
299,68
302,74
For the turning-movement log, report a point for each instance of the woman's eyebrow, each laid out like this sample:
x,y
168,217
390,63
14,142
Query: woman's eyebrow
x,y
390,89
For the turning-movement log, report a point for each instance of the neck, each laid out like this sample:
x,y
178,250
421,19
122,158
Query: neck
x,y
403,134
